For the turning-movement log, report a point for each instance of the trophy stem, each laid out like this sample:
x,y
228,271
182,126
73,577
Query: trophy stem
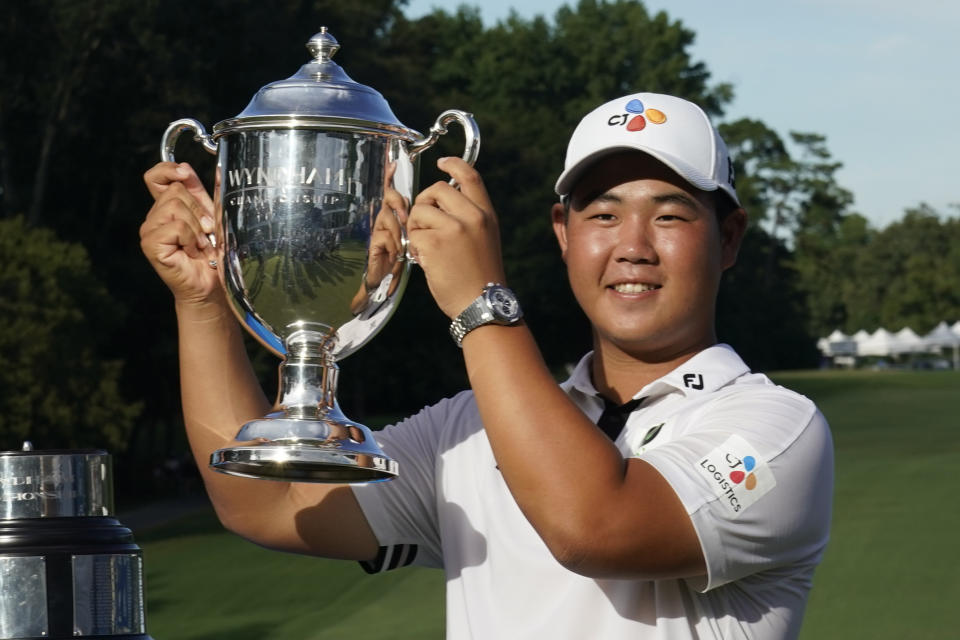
x,y
308,379
310,440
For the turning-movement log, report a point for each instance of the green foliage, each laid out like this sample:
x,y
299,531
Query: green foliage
x,y
759,311
855,277
759,158
61,388
763,295
840,272
910,270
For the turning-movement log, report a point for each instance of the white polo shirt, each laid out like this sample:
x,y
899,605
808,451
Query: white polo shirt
x,y
752,463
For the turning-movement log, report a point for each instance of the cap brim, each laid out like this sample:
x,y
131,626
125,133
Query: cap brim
x,y
571,175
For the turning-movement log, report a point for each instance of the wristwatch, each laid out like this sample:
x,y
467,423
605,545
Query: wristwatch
x,y
495,305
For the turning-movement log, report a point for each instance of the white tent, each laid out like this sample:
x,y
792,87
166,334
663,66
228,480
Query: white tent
x,y
837,344
907,341
860,338
942,337
882,343
878,343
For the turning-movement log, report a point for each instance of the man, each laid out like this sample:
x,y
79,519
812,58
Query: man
x,y
663,491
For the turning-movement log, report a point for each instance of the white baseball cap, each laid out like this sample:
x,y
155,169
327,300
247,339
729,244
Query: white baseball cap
x,y
674,131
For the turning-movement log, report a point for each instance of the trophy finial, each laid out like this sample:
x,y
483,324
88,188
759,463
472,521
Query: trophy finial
x,y
322,46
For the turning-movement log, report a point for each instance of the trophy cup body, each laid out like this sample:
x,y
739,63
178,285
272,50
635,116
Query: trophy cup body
x,y
301,177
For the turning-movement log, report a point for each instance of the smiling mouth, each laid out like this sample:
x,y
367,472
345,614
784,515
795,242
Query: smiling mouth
x,y
634,287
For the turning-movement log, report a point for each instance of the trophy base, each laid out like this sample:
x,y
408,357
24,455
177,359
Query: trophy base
x,y
305,451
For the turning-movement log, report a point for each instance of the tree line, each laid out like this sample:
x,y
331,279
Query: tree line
x,y
87,332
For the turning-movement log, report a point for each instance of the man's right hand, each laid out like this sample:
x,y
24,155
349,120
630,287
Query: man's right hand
x,y
174,235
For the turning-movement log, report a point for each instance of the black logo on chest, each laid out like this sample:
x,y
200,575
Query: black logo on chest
x,y
693,381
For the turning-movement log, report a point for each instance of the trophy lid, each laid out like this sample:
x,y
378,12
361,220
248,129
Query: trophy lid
x,y
320,95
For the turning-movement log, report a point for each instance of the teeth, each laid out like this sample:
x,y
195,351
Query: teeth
x,y
634,287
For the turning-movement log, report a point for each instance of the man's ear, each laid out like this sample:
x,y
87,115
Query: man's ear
x,y
732,229
559,215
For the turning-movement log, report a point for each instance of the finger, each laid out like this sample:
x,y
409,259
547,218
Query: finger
x,y
394,202
385,234
428,214
454,206
468,179
195,187
178,206
387,221
388,175
176,203
166,242
161,176
389,224
384,254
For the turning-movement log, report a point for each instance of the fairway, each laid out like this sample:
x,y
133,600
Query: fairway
x,y
890,570
206,584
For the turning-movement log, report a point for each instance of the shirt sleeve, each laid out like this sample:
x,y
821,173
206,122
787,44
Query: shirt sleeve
x,y
403,512
755,474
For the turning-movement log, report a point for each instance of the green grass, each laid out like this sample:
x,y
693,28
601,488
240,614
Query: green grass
x,y
205,584
891,570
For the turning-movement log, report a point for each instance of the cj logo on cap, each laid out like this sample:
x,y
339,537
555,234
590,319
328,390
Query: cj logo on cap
x,y
634,117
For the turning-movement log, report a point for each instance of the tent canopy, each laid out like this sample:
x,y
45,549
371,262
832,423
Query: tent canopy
x,y
883,343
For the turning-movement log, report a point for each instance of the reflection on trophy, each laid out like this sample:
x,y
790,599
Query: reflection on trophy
x,y
312,261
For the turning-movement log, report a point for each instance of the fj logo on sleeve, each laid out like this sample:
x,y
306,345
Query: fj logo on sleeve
x,y
737,475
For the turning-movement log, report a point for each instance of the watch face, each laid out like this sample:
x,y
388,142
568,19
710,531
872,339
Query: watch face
x,y
503,303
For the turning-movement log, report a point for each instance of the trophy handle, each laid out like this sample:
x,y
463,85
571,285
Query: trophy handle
x,y
183,125
471,150
470,129
169,142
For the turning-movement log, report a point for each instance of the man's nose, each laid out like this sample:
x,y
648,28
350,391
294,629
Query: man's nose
x,y
635,243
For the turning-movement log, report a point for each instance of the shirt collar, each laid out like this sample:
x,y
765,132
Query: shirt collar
x,y
580,378
709,370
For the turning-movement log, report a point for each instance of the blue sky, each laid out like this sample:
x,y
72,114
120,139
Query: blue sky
x,y
878,78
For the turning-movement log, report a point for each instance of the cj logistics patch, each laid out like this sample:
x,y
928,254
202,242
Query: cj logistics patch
x,y
738,476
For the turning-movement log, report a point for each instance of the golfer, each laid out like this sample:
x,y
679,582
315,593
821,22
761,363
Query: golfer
x,y
662,491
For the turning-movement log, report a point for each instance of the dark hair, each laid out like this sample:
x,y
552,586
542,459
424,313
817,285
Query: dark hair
x,y
723,205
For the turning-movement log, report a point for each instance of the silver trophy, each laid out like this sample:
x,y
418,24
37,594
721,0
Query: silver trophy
x,y
301,176
68,568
